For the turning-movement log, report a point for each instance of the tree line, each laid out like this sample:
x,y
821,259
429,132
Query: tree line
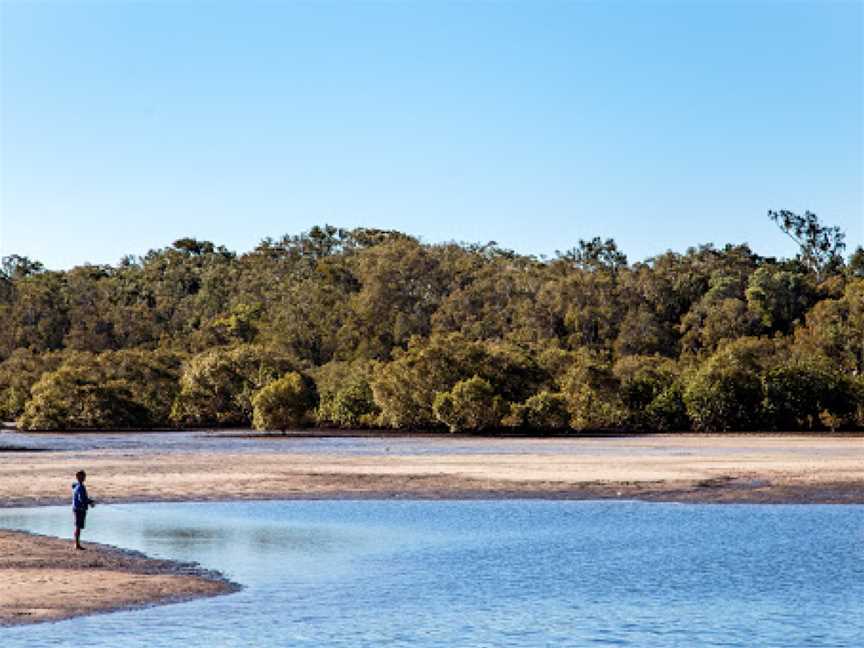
x,y
373,328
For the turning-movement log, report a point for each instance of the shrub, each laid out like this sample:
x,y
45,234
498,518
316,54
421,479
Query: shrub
x,y
592,393
345,394
18,373
80,394
405,388
152,377
808,396
513,372
471,405
554,362
114,389
217,386
643,379
542,411
667,412
283,403
353,406
720,399
725,393
858,386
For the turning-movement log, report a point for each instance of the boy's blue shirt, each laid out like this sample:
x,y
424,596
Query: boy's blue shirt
x,y
80,500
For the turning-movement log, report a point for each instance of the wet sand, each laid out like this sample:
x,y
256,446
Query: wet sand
x,y
687,467
45,579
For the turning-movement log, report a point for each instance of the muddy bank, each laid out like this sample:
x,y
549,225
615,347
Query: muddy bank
x,y
46,579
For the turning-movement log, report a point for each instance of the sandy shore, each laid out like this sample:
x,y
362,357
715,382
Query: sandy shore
x,y
45,579
699,468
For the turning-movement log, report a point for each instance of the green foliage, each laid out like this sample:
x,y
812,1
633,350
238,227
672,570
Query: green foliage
x,y
779,298
16,266
18,373
401,287
554,362
309,320
596,254
471,406
858,387
667,411
404,389
152,376
592,393
543,411
39,315
77,398
720,315
283,403
834,331
712,338
651,393
496,301
590,318
217,386
642,332
821,246
809,396
354,406
346,395
855,267
724,399
726,392
110,390
240,324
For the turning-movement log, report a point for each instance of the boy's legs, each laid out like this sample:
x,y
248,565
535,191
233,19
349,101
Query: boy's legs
x,y
79,524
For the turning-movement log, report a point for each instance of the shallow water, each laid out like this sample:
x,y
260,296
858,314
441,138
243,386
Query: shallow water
x,y
246,441
484,573
242,441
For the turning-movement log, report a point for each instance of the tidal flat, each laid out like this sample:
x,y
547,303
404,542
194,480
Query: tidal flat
x,y
237,465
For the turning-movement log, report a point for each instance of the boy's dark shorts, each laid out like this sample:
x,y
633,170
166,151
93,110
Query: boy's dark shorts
x,y
80,518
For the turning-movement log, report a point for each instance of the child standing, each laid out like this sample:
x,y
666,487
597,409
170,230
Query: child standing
x,y
80,503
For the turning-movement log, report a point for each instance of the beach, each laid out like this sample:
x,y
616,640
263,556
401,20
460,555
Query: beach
x,y
47,580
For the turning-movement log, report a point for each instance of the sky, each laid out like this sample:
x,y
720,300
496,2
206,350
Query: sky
x,y
126,125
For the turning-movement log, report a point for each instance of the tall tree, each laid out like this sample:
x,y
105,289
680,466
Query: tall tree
x,y
821,246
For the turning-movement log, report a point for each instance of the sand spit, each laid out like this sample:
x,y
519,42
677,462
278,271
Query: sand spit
x,y
46,579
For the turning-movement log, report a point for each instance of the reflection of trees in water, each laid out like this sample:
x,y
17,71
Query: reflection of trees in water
x,y
310,541
260,540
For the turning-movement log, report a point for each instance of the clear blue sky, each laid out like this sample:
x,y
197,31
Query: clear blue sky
x,y
126,125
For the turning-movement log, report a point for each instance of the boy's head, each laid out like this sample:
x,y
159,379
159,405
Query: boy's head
x,y
80,475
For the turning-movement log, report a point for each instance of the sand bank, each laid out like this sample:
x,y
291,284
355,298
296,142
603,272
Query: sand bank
x,y
46,579
689,467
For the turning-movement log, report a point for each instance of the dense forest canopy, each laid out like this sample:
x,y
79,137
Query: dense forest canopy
x,y
368,327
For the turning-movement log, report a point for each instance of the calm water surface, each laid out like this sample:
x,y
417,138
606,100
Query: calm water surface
x,y
242,441
487,573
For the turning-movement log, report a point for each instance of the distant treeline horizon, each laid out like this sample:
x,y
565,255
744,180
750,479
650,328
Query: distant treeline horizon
x,y
373,328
